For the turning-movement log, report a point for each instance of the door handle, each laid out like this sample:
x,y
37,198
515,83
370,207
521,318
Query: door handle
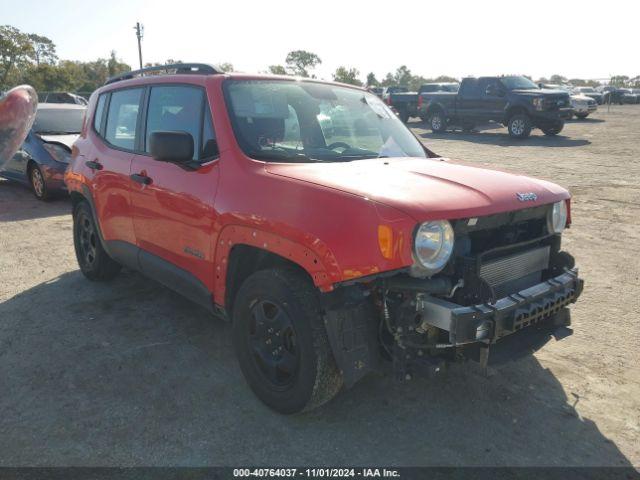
x,y
93,165
141,179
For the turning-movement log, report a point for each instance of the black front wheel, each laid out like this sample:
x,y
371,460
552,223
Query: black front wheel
x,y
519,126
94,262
281,342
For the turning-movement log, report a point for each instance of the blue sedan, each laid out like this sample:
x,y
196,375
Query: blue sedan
x,y
44,156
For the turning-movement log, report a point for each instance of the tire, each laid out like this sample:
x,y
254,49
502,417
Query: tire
x,y
582,116
300,373
437,121
38,183
553,129
519,126
403,115
94,262
468,127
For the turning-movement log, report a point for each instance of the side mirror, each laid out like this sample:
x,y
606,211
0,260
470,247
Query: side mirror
x,y
174,147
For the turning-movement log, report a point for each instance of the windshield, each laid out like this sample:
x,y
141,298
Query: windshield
x,y
518,83
310,122
58,120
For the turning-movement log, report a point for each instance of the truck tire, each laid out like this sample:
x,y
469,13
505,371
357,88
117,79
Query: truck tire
x,y
582,116
94,262
553,129
437,121
281,341
403,115
519,125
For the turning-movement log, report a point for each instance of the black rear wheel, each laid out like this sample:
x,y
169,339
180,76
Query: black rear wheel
x,y
554,129
94,262
281,342
437,121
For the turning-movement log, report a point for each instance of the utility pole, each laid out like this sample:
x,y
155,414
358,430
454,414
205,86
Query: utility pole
x,y
139,28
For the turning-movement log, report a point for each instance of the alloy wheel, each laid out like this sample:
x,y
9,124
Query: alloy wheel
x,y
37,181
88,240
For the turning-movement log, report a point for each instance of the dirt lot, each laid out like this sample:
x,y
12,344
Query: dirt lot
x,y
131,374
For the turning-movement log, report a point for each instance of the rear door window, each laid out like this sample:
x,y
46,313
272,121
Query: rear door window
x,y
122,119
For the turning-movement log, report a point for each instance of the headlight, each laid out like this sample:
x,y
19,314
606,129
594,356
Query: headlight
x,y
538,103
57,152
432,247
557,217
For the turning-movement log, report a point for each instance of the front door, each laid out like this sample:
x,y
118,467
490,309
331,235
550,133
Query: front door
x,y
173,212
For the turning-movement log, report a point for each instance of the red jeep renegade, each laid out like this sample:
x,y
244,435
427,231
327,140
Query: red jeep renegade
x,y
307,214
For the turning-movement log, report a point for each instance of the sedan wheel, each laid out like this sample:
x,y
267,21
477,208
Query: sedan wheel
x,y
38,184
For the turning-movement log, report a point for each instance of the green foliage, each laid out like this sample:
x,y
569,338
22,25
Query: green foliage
x,y
226,67
347,75
300,62
277,70
32,59
16,53
372,81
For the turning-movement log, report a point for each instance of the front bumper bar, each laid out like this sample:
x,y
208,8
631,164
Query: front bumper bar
x,y
488,323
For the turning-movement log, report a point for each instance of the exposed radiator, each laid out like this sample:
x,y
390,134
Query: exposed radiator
x,y
514,272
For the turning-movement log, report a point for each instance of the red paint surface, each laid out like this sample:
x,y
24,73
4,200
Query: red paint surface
x,y
324,217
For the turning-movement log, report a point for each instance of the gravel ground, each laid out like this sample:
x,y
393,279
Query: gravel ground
x,y
129,373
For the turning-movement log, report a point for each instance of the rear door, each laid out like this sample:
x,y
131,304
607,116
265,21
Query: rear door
x,y
110,162
492,99
173,212
468,101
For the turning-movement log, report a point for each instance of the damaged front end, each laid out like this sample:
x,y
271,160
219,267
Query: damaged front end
x,y
506,274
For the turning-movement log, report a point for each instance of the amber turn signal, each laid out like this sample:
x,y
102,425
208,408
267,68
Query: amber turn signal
x,y
385,241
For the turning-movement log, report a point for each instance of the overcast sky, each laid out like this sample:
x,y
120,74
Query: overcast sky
x,y
458,38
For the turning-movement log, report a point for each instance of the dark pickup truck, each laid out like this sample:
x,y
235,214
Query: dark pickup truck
x,y
514,101
407,103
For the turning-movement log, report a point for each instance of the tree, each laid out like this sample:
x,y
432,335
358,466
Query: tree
x,y
619,80
388,80
277,70
347,75
44,51
226,67
299,62
403,76
558,79
372,81
445,79
16,51
115,66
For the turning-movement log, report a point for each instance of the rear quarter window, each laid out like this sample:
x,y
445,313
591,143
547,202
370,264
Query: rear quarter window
x,y
97,117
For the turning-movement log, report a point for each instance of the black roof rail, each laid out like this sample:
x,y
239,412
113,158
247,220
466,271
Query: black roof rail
x,y
192,68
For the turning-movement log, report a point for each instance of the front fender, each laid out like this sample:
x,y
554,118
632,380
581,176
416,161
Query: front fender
x,y
311,254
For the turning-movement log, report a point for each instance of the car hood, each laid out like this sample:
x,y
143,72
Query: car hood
x,y
541,92
66,140
427,189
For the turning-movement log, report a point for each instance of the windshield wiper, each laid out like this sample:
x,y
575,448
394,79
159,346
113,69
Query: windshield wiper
x,y
281,157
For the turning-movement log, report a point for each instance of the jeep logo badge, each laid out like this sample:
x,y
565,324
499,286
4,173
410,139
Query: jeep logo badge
x,y
527,197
